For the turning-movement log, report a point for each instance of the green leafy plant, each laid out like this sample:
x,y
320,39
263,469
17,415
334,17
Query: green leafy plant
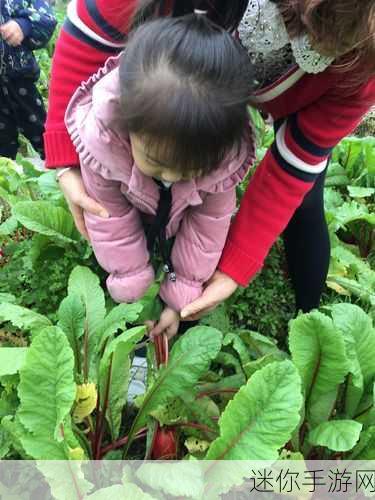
x,y
91,375
40,245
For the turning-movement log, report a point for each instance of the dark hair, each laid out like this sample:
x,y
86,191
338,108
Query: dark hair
x,y
185,84
225,13
344,29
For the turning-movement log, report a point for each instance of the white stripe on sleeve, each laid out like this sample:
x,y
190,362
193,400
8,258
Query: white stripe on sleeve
x,y
292,159
79,24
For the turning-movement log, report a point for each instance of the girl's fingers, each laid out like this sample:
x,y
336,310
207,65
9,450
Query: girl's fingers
x,y
171,332
157,330
149,325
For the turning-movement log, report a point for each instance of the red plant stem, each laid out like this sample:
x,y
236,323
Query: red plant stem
x,y
157,351
363,412
94,435
161,350
165,349
76,487
101,417
218,391
193,425
162,357
86,353
120,442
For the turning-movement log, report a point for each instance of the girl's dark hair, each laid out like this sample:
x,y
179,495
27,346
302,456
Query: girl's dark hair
x,y
185,84
225,13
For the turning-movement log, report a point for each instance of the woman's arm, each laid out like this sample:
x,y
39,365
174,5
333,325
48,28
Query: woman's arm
x,y
287,173
92,32
279,185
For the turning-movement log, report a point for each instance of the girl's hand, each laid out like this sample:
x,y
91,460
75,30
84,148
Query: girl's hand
x,y
168,323
74,191
218,289
12,33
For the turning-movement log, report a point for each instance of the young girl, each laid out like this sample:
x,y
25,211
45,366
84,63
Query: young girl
x,y
163,136
24,26
315,65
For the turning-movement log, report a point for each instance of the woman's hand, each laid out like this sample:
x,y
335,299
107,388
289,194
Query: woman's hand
x,y
218,289
168,323
12,33
74,191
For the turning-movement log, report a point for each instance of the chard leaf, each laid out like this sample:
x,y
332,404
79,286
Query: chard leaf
x,y
47,392
229,360
5,442
337,435
352,273
9,226
201,411
11,359
16,431
251,367
230,383
238,345
7,297
332,199
359,334
349,212
352,321
22,318
261,417
218,318
336,175
45,218
365,449
151,304
259,345
360,192
318,351
65,478
83,283
114,370
189,359
117,319
71,316
125,491
178,479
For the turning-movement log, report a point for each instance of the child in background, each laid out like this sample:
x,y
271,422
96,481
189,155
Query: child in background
x,y
163,137
25,25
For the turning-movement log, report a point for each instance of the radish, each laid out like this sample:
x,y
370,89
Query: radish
x,y
164,443
164,446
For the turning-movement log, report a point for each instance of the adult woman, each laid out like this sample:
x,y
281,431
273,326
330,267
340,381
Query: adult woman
x,y
315,62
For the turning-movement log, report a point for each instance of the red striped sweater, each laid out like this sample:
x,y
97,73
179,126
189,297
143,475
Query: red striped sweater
x,y
313,111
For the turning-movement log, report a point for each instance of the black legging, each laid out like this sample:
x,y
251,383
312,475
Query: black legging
x,y
308,248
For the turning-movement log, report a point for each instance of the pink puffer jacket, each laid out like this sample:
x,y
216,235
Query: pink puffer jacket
x,y
201,208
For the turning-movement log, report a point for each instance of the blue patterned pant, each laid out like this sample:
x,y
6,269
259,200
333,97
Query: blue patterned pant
x,y
21,111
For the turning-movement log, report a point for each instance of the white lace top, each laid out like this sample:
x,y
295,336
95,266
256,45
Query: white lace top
x,y
263,33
